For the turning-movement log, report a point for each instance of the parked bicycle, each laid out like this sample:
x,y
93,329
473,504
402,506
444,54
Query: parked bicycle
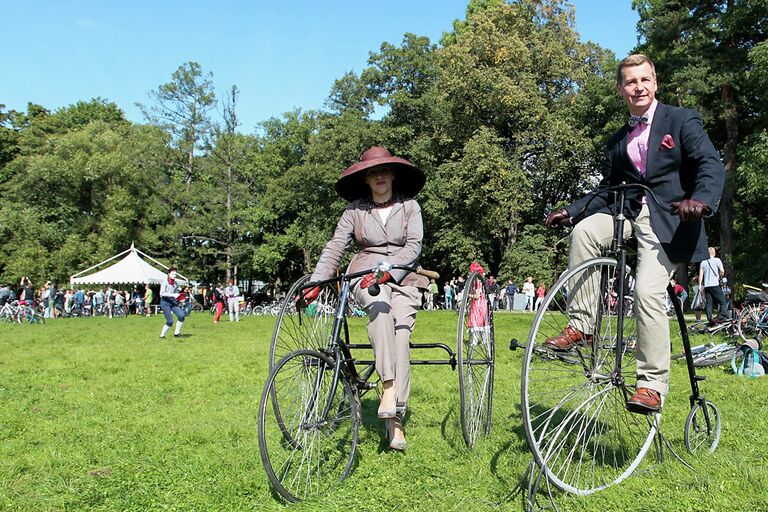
x,y
753,318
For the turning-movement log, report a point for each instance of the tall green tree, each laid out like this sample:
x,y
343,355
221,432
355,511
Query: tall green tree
x,y
82,193
701,49
182,107
221,230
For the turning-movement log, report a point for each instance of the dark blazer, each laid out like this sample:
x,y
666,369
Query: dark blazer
x,y
690,170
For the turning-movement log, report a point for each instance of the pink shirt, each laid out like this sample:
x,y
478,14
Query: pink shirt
x,y
637,140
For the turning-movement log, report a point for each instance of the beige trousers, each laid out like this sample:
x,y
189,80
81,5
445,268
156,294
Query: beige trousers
x,y
391,317
654,269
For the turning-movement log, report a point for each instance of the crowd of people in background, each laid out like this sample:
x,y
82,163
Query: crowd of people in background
x,y
500,295
53,301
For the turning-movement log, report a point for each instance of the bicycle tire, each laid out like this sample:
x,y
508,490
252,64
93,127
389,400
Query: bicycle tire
x,y
310,327
35,318
747,324
574,412
305,454
702,427
475,353
715,356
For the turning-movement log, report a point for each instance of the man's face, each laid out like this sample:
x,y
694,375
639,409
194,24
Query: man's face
x,y
638,87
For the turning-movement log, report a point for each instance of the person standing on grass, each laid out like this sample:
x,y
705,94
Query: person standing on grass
x,y
149,296
710,272
530,291
217,297
448,293
431,294
170,296
541,292
233,301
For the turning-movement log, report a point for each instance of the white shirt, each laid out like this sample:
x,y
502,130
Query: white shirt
x,y
711,269
168,289
528,288
384,213
232,291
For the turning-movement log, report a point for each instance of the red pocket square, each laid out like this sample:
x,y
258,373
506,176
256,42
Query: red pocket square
x,y
668,142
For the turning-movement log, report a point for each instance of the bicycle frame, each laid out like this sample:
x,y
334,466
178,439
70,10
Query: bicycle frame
x,y
340,351
621,254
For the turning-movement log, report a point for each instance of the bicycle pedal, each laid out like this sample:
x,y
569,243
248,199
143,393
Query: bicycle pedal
x,y
699,377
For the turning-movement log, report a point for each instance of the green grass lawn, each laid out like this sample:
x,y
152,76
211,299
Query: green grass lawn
x,y
99,414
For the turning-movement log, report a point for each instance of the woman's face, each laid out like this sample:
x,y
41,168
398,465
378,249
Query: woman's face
x,y
380,181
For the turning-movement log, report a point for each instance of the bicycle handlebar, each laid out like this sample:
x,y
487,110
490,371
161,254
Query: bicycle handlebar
x,y
380,269
628,186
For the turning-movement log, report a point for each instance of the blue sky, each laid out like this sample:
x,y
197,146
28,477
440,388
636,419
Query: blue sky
x,y
281,55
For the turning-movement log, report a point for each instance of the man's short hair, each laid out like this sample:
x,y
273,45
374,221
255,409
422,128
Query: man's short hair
x,y
636,59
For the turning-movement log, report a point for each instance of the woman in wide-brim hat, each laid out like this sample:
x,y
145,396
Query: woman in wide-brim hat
x,y
385,222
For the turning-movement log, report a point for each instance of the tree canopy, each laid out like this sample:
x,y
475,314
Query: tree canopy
x,y
507,114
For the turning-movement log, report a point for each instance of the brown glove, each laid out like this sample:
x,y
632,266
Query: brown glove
x,y
556,218
690,209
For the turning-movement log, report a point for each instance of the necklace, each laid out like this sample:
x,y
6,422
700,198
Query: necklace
x,y
385,204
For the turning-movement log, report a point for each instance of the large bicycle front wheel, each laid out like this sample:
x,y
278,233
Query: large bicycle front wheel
x,y
475,356
574,411
308,427
307,327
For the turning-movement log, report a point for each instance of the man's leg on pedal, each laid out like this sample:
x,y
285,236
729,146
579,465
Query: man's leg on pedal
x,y
652,352
588,239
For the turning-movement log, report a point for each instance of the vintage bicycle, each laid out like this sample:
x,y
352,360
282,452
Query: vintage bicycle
x,y
310,411
582,437
753,318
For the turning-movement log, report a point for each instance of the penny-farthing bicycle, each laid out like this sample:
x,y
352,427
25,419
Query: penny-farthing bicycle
x,y
310,414
573,402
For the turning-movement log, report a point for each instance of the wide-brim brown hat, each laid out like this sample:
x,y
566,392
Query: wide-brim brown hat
x,y
409,179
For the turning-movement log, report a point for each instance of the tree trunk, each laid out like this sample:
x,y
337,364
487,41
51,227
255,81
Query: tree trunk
x,y
307,260
731,162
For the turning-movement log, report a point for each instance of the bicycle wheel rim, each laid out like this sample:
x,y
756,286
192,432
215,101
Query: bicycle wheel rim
x,y
747,323
305,454
715,357
574,412
475,357
702,431
303,328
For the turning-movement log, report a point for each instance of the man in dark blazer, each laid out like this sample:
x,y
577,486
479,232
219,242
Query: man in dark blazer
x,y
666,149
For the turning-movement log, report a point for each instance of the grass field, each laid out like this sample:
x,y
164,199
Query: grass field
x,y
99,414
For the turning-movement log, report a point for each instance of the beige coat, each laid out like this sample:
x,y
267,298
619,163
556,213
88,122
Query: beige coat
x,y
397,242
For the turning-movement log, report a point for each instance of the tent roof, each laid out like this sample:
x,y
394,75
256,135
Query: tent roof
x,y
132,269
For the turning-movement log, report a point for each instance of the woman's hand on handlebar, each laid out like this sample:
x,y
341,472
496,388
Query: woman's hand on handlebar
x,y
308,296
369,279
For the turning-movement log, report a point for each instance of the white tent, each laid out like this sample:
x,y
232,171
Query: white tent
x,y
132,269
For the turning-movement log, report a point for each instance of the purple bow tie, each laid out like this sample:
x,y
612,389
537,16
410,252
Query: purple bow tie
x,y
635,120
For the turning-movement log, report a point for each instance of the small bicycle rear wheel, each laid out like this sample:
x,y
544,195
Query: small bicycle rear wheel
x,y
702,427
305,450
308,327
475,356
574,402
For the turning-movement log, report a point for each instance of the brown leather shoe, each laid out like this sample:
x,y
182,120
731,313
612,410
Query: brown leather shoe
x,y
645,401
567,339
